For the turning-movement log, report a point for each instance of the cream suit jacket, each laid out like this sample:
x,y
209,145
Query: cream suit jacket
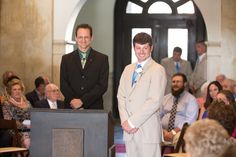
x,y
141,103
169,65
199,76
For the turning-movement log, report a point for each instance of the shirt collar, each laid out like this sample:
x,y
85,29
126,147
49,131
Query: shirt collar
x,y
84,54
144,62
201,57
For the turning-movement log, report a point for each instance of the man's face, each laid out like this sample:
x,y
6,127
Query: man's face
x,y
177,86
176,56
83,39
142,52
52,93
200,47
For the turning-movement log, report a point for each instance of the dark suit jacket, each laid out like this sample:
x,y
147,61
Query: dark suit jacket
x,y
88,84
32,97
44,104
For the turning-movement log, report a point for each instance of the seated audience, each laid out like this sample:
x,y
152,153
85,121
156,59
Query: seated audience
x,y
178,107
15,106
226,96
206,138
38,93
52,101
212,90
224,114
6,75
229,84
220,78
201,100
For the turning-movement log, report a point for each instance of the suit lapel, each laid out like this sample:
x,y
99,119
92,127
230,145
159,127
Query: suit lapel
x,y
145,68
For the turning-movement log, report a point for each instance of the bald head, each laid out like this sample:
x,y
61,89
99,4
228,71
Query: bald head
x,y
52,92
220,78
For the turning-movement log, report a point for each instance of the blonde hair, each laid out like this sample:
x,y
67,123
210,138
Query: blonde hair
x,y
13,82
206,138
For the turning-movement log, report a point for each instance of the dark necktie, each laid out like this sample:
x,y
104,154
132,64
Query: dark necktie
x,y
135,74
171,124
177,67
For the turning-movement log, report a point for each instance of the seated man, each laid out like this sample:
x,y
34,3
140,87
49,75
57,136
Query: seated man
x,y
38,93
178,107
52,101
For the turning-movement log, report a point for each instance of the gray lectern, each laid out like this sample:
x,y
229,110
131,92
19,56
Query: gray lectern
x,y
71,133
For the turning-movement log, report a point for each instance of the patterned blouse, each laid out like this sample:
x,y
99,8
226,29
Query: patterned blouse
x,y
11,111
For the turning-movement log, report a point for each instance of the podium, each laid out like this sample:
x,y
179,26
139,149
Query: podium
x,y
71,133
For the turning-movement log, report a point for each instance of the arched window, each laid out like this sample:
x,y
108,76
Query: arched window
x,y
170,23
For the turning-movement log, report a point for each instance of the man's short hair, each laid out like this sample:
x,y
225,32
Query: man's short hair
x,y
178,49
182,75
85,26
142,38
38,81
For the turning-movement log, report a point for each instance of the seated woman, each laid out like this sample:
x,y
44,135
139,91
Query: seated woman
x,y
15,106
212,90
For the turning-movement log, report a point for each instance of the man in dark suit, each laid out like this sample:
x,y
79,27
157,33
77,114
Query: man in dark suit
x,y
52,101
38,93
84,73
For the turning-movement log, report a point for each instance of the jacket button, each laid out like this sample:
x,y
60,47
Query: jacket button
x,y
82,88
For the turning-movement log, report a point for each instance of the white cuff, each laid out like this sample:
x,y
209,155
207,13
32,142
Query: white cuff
x,y
130,124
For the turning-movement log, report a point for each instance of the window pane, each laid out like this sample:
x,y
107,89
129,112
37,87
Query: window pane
x,y
186,8
133,8
178,37
144,0
134,32
159,8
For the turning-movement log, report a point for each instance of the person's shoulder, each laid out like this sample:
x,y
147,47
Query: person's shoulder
x,y
99,54
190,96
164,60
30,93
70,54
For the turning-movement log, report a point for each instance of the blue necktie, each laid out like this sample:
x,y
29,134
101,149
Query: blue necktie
x,y
177,67
135,74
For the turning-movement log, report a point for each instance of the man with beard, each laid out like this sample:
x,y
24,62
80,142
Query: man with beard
x,y
178,107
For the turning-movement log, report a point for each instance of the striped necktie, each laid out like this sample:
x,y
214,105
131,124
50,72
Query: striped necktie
x,y
135,74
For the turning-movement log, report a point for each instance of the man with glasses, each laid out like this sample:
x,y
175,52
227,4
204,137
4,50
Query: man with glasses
x,y
84,73
52,100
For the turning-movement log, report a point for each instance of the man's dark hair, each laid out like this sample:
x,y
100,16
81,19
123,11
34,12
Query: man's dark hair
x,y
182,75
85,26
142,38
38,81
224,114
177,49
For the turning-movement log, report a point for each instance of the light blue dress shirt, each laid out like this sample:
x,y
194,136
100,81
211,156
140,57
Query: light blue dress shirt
x,y
187,110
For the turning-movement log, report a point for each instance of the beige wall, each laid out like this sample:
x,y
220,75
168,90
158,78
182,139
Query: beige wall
x,y
26,38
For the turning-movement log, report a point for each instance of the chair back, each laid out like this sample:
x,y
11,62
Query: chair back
x,y
10,125
181,142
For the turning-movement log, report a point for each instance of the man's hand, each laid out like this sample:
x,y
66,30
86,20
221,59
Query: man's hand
x,y
126,127
168,136
76,103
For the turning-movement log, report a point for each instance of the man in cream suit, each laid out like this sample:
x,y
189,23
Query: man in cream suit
x,y
199,75
139,100
175,65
